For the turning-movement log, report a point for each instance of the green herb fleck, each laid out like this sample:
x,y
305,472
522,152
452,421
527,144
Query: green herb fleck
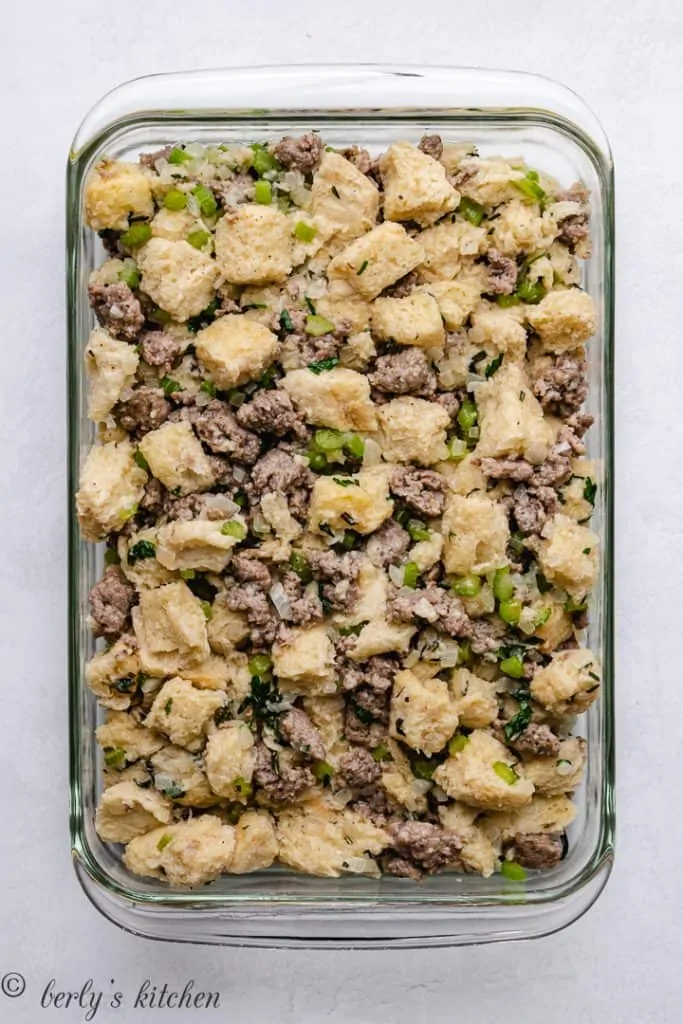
x,y
323,364
362,268
143,549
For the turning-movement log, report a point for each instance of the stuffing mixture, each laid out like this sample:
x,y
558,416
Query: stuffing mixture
x,y
341,478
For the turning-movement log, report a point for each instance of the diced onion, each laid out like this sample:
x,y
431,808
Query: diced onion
x,y
283,605
220,503
396,575
372,456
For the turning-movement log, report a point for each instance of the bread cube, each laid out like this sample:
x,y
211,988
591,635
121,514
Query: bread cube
x,y
174,225
521,228
170,627
564,319
342,302
511,419
400,783
229,760
110,487
197,544
256,845
226,628
254,244
576,495
413,430
474,699
415,185
422,713
376,260
178,277
322,840
338,398
499,329
176,457
569,555
115,191
413,320
381,637
561,773
456,299
362,506
125,811
304,663
111,367
110,666
476,535
471,775
569,684
178,772
344,202
449,248
125,740
182,711
187,854
543,814
478,852
235,350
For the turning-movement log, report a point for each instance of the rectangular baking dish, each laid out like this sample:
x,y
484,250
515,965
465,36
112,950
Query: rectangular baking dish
x,y
371,106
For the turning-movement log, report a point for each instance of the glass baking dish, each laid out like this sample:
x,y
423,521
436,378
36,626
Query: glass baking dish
x,y
371,106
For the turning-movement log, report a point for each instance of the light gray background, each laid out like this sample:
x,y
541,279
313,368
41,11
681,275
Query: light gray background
x,y
621,963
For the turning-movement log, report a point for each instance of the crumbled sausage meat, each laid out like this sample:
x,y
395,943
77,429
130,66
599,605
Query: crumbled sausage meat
x,y
537,739
388,545
282,783
110,602
507,469
573,229
233,191
301,153
145,410
298,730
363,731
431,605
251,570
407,372
269,412
563,386
502,279
338,575
450,401
280,471
158,348
117,309
359,769
305,605
399,867
261,616
217,427
485,636
150,159
428,846
432,145
403,287
422,490
531,507
538,849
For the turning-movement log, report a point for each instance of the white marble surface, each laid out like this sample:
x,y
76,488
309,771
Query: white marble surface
x,y
621,962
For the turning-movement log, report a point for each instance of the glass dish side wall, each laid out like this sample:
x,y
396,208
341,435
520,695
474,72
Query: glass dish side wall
x,y
279,905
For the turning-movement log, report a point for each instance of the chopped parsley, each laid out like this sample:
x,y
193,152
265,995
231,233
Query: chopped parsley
x,y
345,483
140,459
362,268
589,490
494,365
169,385
311,307
335,192
168,706
518,723
286,321
143,549
323,364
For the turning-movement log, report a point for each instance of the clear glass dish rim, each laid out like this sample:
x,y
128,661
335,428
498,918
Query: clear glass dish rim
x,y
122,109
